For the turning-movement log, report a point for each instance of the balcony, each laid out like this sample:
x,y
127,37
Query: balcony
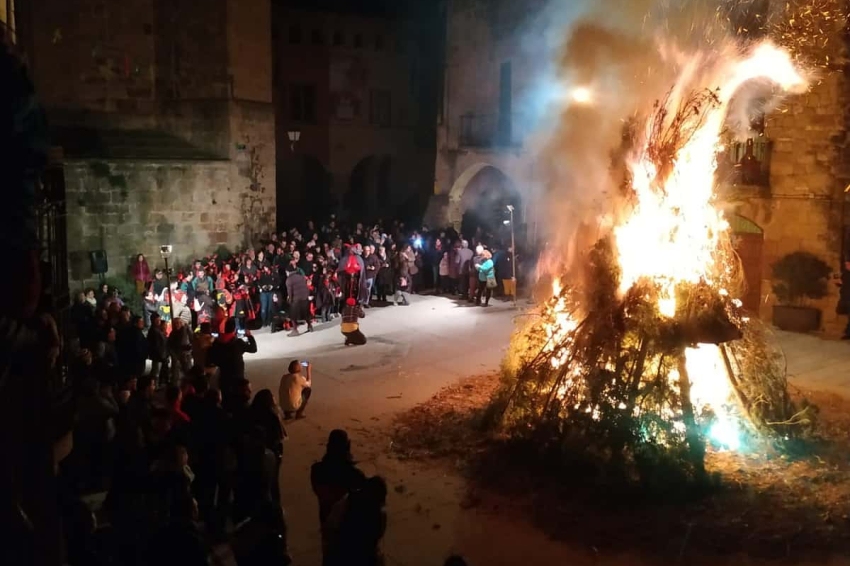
x,y
490,131
745,163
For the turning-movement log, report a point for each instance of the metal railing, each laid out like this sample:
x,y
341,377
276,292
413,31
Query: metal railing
x,y
51,220
746,163
490,130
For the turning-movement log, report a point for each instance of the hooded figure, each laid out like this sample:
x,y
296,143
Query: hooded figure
x,y
352,273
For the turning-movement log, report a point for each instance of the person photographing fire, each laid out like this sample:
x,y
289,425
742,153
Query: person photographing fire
x,y
295,389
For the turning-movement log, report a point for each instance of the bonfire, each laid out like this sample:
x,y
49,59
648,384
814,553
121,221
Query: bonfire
x,y
643,348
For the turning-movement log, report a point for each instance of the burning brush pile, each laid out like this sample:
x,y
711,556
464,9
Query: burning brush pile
x,y
643,351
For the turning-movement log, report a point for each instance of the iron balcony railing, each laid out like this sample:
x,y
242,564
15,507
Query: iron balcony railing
x,y
745,162
491,130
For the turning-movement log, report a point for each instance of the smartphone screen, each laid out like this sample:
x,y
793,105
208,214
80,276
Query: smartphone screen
x,y
304,364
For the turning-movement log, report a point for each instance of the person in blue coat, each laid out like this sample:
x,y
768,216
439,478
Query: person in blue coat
x,y
486,278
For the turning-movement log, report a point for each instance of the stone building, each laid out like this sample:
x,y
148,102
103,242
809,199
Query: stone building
x,y
795,201
350,87
163,110
7,18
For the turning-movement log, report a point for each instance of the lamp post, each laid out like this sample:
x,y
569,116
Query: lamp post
x,y
294,136
513,251
165,252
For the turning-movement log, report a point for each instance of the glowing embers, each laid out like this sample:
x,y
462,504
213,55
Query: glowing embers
x,y
560,328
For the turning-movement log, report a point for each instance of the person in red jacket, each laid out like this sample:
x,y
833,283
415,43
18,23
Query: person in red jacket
x,y
141,273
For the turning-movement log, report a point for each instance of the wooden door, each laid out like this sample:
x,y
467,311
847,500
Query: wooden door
x,y
749,247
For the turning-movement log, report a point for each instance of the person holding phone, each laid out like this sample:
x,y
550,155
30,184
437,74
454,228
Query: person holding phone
x,y
295,389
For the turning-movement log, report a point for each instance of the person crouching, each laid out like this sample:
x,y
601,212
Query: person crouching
x,y
350,326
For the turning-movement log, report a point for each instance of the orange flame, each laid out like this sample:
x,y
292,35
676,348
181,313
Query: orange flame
x,y
675,232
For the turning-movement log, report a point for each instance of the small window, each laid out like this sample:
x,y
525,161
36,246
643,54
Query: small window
x,y
294,35
379,43
380,108
339,39
302,103
317,38
358,41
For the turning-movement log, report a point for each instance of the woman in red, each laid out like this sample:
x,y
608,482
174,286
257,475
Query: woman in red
x,y
141,273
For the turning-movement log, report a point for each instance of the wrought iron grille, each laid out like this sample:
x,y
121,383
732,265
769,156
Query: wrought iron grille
x,y
53,237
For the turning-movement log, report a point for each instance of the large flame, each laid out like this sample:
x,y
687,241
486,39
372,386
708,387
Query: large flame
x,y
675,232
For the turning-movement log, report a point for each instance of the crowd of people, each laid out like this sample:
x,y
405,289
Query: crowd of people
x,y
298,277
170,427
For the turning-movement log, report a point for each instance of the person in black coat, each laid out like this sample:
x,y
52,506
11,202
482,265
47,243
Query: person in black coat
x,y
132,347
268,283
298,291
226,354
335,476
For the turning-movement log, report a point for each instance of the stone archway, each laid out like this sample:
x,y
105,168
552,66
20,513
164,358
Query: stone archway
x,y
479,199
356,197
748,239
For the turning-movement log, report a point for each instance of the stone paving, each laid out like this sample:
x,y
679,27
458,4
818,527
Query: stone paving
x,y
814,363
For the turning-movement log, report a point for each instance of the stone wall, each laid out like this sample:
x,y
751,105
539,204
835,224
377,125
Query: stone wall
x,y
253,176
250,49
808,173
124,56
198,69
192,49
131,207
94,55
480,37
342,135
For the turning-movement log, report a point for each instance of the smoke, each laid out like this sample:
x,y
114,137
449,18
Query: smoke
x,y
609,62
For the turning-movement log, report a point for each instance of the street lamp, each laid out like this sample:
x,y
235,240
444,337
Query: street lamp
x,y
513,251
165,252
294,136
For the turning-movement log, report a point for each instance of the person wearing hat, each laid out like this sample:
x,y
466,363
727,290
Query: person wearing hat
x,y
352,312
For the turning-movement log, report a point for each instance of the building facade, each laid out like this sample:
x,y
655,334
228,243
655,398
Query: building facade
x,y
7,18
792,199
163,110
347,92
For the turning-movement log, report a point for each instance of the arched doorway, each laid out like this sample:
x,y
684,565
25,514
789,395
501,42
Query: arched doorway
x,y
370,187
303,190
483,193
748,240
356,199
